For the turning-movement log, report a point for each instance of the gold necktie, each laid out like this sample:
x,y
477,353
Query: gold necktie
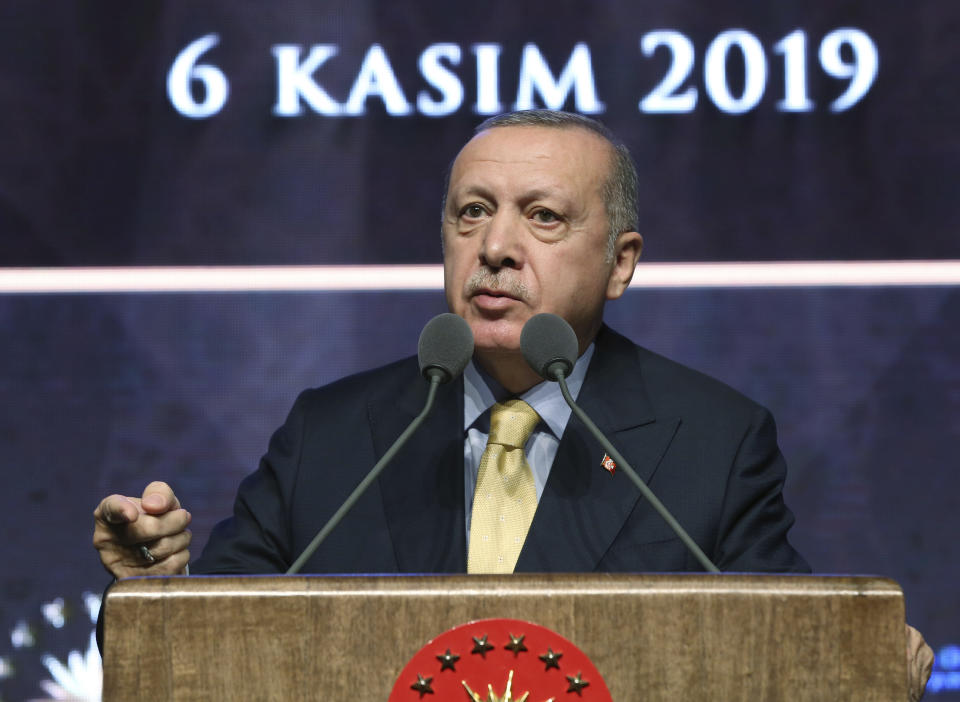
x,y
505,498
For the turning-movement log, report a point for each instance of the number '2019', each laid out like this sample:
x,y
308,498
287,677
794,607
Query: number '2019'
x,y
857,64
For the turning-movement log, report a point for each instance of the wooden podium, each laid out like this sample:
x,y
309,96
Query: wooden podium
x,y
650,637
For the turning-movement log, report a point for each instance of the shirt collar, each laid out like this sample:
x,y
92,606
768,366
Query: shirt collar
x,y
480,392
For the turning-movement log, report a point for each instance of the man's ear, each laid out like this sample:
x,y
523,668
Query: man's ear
x,y
626,253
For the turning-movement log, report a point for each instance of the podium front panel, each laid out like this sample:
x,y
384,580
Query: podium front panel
x,y
651,637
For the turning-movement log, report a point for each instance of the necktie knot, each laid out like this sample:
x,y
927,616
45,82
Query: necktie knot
x,y
511,423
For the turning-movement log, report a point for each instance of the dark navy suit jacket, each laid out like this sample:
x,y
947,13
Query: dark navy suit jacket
x,y
709,454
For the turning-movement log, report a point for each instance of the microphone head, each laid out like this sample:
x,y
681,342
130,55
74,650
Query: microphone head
x,y
445,348
549,344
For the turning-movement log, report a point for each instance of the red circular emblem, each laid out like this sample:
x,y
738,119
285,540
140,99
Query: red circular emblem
x,y
500,660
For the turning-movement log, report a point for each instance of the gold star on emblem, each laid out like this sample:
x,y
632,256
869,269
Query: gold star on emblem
x,y
481,646
576,684
551,659
422,685
516,644
448,661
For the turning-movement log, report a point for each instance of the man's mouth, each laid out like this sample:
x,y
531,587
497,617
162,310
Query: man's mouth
x,y
492,300
489,292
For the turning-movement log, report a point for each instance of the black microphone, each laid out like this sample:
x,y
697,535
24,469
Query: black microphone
x,y
550,346
444,349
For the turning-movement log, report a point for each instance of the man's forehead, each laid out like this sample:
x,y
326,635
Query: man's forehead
x,y
540,151
546,138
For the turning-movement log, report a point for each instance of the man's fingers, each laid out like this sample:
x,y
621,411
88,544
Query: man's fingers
x,y
158,498
150,528
919,663
146,529
142,536
167,556
167,546
116,509
132,563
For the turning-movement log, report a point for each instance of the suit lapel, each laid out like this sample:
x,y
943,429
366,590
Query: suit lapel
x,y
423,490
583,507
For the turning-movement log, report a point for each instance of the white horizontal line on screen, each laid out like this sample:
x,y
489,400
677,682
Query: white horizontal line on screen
x,y
200,279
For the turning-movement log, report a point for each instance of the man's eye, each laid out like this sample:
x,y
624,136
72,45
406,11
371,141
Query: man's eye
x,y
473,211
546,216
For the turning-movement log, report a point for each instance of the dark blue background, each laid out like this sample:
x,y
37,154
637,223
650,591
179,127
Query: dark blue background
x,y
102,393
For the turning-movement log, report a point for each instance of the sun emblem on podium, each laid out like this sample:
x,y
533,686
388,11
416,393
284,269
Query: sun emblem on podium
x,y
492,697
500,660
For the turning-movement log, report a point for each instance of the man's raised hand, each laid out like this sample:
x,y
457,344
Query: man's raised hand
x,y
144,535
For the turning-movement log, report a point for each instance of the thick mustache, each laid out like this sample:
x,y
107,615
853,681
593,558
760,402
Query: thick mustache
x,y
495,282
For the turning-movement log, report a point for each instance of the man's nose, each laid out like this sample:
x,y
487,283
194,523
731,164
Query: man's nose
x,y
502,245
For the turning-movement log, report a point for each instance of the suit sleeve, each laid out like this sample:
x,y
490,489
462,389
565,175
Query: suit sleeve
x,y
752,533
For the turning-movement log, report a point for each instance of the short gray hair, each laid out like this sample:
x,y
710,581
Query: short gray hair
x,y
619,190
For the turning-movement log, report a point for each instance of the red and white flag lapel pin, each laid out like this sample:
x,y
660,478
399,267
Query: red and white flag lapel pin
x,y
608,464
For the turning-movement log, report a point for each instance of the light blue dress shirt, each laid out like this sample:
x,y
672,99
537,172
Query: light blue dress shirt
x,y
480,392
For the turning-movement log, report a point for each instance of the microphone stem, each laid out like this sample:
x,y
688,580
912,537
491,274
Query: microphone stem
x,y
637,480
435,381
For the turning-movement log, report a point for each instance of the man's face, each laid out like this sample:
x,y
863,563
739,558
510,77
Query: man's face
x,y
525,231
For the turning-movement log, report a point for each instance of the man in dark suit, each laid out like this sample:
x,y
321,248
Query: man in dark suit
x,y
709,453
539,216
